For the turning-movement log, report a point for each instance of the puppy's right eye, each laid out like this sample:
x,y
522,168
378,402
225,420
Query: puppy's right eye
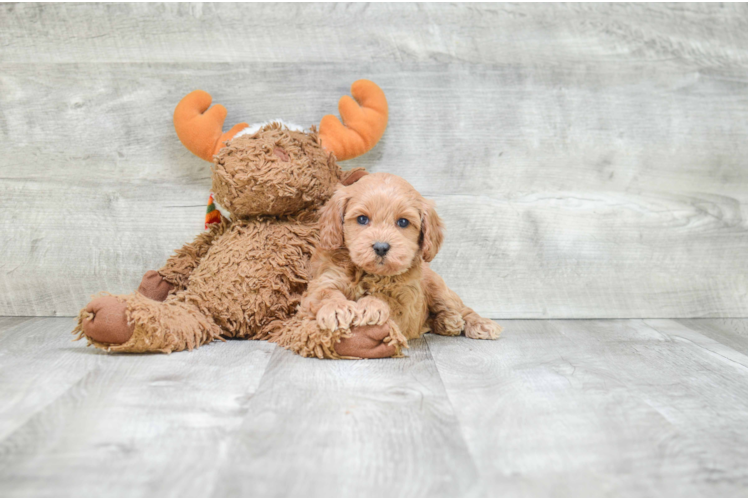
x,y
363,220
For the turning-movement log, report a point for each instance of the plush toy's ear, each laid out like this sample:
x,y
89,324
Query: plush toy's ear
x,y
353,175
432,231
363,122
199,128
331,221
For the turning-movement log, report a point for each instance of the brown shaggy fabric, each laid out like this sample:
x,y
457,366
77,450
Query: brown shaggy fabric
x,y
255,274
179,266
173,325
250,178
244,276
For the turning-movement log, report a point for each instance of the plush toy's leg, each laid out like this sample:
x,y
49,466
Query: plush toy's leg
x,y
135,323
303,335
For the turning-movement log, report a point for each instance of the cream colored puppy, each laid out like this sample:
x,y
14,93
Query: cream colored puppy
x,y
371,280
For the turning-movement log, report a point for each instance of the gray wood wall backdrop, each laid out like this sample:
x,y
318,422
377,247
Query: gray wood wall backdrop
x,y
589,160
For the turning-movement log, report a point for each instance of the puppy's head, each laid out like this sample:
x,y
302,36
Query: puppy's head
x,y
384,223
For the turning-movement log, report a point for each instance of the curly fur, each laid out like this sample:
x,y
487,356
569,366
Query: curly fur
x,y
275,171
244,276
255,274
352,285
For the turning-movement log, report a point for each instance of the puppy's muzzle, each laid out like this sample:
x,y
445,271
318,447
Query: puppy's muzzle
x,y
380,248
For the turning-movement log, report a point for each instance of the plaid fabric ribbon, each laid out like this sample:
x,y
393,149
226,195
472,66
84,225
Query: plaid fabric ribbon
x,y
212,216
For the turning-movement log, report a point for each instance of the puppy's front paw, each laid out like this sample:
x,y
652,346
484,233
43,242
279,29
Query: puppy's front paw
x,y
334,315
371,311
481,328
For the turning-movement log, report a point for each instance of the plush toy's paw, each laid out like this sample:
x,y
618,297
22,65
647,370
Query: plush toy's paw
x,y
371,311
448,323
154,286
334,315
368,342
481,328
106,321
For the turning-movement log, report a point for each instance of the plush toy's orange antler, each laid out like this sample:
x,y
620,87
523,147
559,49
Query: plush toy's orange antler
x,y
200,130
364,121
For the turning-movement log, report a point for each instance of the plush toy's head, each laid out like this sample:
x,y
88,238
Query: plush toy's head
x,y
275,169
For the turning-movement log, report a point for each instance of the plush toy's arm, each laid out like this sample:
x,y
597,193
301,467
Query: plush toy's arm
x,y
302,333
329,325
178,268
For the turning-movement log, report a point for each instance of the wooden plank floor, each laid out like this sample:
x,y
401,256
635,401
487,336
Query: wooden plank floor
x,y
631,408
556,407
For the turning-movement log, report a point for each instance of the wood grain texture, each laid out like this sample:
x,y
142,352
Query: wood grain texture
x,y
588,160
78,422
363,33
732,332
600,408
379,427
554,408
25,347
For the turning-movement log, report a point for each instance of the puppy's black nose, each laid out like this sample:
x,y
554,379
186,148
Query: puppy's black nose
x,y
381,249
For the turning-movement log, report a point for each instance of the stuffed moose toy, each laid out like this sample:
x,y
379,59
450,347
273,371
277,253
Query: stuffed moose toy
x,y
244,276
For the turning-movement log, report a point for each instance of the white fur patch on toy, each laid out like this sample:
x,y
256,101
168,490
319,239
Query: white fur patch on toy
x,y
221,209
255,127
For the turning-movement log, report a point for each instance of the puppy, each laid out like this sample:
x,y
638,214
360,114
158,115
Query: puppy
x,y
372,288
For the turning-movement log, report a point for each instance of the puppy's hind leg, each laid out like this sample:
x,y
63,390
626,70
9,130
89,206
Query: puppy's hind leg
x,y
447,322
445,317
478,327
448,315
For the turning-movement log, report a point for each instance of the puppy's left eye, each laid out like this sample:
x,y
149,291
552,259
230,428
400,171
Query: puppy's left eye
x,y
403,222
363,220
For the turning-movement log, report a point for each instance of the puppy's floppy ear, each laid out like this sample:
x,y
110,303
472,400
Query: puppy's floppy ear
x,y
432,231
331,220
351,176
